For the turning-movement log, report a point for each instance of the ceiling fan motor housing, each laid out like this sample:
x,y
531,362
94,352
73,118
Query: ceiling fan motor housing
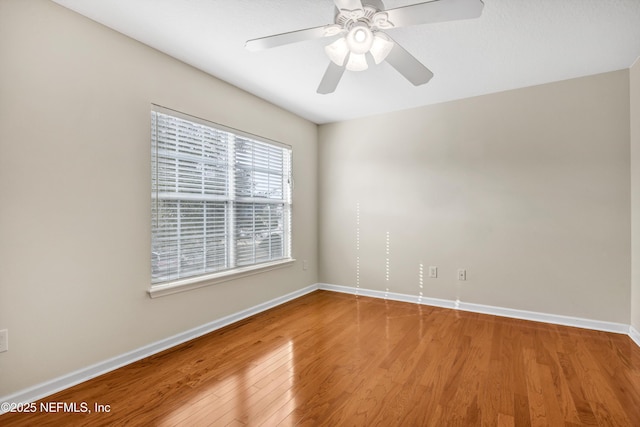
x,y
362,36
347,19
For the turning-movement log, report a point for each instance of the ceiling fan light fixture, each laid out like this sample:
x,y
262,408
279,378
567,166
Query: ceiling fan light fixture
x,y
359,39
357,62
359,35
337,51
381,47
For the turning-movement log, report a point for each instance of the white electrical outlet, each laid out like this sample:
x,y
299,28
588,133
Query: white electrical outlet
x,y
433,271
462,274
4,340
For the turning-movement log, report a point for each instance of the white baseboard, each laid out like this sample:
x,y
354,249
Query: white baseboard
x,y
634,335
485,309
48,388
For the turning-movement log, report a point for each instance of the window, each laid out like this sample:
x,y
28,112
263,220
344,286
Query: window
x,y
221,199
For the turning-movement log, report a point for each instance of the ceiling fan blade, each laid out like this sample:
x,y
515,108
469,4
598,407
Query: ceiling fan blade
x,y
330,79
348,4
407,65
291,37
434,11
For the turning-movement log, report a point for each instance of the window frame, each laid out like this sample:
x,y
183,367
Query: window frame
x,y
179,284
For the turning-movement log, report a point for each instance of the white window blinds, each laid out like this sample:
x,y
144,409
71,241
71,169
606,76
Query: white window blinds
x,y
220,200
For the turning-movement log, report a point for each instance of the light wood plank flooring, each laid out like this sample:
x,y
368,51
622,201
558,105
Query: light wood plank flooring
x,y
333,359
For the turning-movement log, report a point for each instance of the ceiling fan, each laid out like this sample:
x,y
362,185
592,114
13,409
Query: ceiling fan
x,y
360,25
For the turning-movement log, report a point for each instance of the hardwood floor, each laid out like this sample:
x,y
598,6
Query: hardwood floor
x,y
333,359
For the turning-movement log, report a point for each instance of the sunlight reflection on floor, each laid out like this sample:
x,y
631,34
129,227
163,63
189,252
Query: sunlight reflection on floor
x,y
261,390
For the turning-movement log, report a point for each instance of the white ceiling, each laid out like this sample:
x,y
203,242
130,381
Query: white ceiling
x,y
515,43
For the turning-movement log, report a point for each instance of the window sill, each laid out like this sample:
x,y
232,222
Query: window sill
x,y
190,283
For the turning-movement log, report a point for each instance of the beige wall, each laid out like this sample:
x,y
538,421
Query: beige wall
x,y
635,194
528,190
75,192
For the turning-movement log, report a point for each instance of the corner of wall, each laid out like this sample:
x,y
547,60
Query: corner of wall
x,y
634,111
